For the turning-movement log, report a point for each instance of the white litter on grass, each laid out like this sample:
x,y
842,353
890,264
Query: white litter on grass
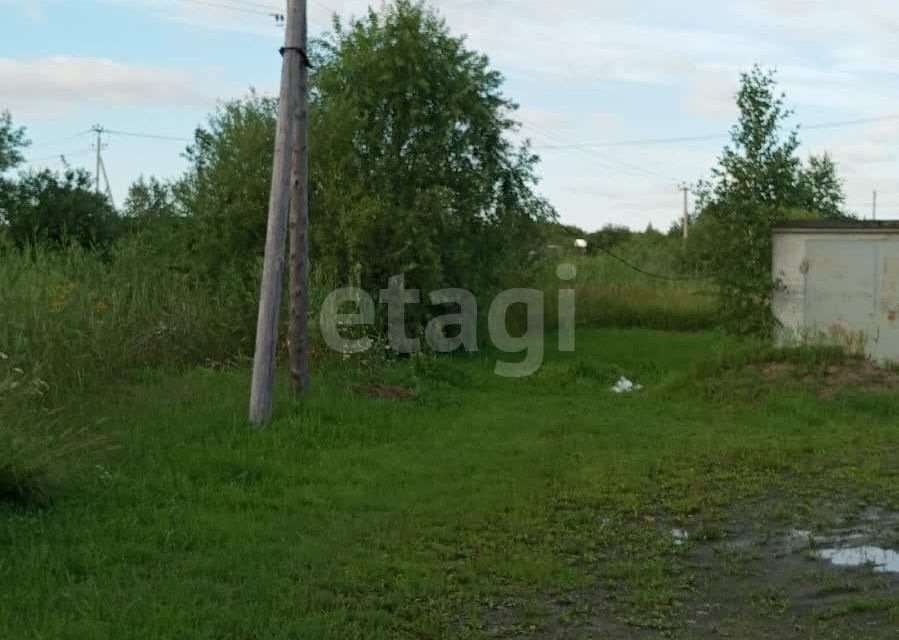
x,y
626,386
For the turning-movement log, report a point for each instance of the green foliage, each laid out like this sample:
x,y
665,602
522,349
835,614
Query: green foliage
x,y
741,264
12,141
413,171
411,167
150,199
71,319
759,181
760,165
558,239
608,238
55,209
821,189
610,293
226,189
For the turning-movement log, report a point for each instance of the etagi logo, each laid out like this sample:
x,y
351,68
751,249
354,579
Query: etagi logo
x,y
396,297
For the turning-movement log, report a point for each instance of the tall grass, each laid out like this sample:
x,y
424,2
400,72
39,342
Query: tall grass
x,y
611,294
71,317
73,320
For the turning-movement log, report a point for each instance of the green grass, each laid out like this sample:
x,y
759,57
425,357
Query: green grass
x,y
610,294
861,605
359,518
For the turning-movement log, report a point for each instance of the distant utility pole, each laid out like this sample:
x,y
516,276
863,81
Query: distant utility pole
x,y
686,189
297,333
874,206
261,390
101,166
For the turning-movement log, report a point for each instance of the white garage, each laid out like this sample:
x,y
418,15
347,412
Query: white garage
x,y
838,281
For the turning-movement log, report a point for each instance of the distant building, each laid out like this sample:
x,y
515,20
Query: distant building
x,y
581,245
839,281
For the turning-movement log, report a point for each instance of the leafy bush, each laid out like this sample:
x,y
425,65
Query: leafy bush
x,y
226,190
54,209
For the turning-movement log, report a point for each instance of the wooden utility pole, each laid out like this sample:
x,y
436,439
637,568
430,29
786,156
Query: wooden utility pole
x,y
298,336
686,189
262,386
874,206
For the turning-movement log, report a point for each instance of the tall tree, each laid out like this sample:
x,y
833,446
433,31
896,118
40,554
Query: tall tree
x,y
412,165
414,170
759,180
760,164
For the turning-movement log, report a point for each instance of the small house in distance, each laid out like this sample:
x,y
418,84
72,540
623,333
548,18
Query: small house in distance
x,y
838,280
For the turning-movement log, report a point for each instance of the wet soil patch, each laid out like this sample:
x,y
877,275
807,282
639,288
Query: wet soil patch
x,y
829,380
750,576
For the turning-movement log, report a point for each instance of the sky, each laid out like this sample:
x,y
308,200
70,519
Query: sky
x,y
584,72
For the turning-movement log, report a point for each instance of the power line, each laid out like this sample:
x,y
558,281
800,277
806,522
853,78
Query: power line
x,y
57,156
151,136
219,5
714,136
50,143
634,267
650,274
253,8
324,6
631,168
131,134
849,123
250,3
639,142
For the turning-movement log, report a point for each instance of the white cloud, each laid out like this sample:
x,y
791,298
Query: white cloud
x,y
587,70
55,85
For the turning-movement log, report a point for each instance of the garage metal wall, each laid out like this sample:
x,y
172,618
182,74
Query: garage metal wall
x,y
838,286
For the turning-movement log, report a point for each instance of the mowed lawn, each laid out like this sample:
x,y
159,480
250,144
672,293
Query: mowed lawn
x,y
357,517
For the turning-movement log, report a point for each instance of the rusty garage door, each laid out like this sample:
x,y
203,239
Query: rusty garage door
x,y
852,293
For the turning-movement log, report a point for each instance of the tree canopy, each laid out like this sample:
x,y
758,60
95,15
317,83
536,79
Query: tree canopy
x,y
412,165
56,209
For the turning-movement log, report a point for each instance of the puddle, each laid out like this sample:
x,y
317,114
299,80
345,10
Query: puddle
x,y
881,560
855,543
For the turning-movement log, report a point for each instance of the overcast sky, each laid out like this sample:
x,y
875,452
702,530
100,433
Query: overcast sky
x,y
583,71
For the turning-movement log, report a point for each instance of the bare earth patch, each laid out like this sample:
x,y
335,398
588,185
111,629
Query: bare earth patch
x,y
831,379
